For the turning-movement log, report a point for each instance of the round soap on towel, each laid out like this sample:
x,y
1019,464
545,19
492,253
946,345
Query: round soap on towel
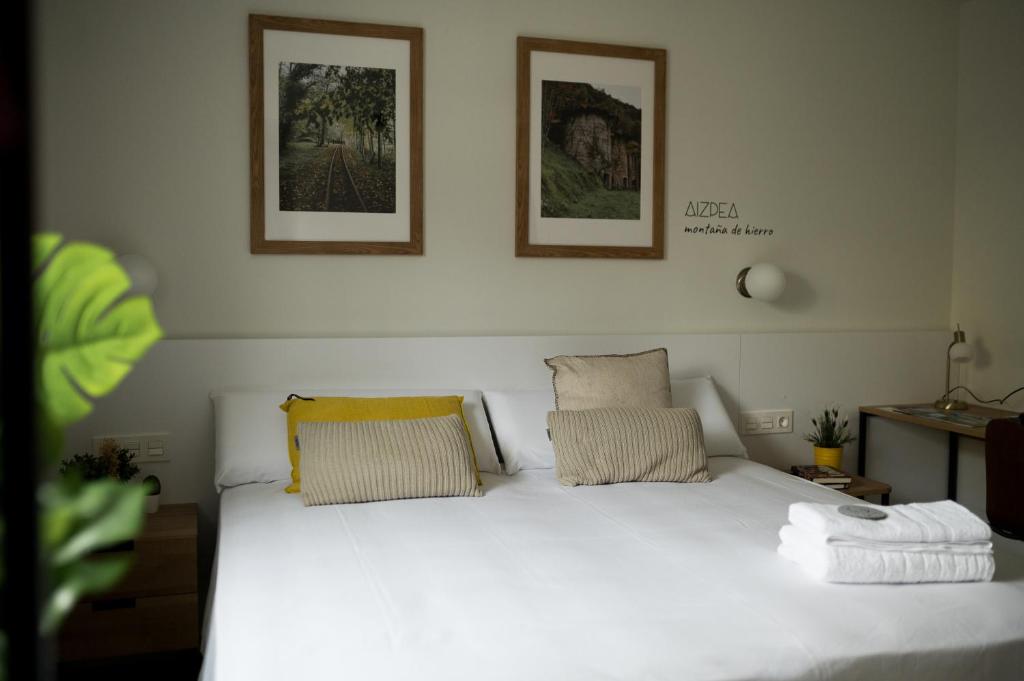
x,y
863,512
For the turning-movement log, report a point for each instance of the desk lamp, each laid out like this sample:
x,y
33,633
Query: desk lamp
x,y
959,351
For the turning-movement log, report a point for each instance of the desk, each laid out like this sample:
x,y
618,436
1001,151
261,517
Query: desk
x,y
956,431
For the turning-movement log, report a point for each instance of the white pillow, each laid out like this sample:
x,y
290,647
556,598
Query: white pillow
x,y
720,436
519,419
251,432
520,422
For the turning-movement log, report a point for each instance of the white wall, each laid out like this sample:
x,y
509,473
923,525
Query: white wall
x,y
988,271
830,121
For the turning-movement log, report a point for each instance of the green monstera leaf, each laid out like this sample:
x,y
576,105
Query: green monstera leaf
x,y
89,333
78,520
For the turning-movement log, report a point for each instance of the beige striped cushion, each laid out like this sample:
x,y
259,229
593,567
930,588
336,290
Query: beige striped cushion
x,y
623,444
349,461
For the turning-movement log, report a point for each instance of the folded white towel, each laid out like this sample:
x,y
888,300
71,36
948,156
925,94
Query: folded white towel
x,y
793,535
851,564
939,521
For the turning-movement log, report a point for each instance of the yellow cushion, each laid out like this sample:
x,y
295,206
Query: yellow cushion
x,y
321,409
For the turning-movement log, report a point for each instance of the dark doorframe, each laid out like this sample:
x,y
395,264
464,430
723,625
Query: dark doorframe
x,y
22,588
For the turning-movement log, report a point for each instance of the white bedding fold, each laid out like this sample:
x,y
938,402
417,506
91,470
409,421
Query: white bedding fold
x,y
933,522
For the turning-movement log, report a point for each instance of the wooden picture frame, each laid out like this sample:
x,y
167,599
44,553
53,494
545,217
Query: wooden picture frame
x,y
624,86
335,91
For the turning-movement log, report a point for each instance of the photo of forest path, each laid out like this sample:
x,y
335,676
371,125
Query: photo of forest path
x,y
590,151
336,138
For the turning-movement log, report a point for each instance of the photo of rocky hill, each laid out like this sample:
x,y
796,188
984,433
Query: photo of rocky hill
x,y
590,151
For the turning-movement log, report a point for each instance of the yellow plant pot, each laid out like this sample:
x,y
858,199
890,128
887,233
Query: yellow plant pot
x,y
828,456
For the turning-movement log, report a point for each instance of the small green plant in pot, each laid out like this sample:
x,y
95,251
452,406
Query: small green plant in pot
x,y
152,485
111,462
828,437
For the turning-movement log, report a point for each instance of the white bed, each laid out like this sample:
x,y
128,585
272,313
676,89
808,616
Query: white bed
x,y
535,581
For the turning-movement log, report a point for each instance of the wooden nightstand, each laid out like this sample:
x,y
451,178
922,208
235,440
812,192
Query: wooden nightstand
x,y
861,487
155,608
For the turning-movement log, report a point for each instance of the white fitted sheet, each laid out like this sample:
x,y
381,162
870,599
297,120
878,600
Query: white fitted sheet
x,y
536,582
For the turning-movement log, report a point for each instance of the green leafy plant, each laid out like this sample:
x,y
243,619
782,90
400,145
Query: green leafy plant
x,y
112,462
152,485
828,431
89,333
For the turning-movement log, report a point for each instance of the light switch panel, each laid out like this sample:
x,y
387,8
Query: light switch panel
x,y
147,447
766,422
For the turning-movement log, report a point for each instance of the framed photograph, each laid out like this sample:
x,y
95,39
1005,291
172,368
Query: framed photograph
x,y
336,137
590,150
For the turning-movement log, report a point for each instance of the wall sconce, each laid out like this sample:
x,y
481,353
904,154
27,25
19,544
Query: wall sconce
x,y
959,351
761,282
141,272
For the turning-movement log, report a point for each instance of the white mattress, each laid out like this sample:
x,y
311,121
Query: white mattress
x,y
535,582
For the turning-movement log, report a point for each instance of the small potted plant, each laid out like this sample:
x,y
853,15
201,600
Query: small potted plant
x,y
111,462
152,484
828,437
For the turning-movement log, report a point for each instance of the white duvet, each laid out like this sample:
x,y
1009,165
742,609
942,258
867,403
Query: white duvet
x,y
539,582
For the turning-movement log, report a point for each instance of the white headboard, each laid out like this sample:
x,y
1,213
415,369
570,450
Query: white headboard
x,y
169,391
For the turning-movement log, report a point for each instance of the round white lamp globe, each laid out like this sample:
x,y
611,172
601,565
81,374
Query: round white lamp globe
x,y
961,352
142,273
765,282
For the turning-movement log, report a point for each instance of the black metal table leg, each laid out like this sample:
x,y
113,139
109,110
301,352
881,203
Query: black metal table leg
x,y
954,461
885,500
862,444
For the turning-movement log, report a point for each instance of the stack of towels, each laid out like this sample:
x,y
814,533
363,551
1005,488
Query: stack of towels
x,y
932,542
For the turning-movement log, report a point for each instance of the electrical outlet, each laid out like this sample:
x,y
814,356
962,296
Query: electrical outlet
x,y
765,422
147,447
